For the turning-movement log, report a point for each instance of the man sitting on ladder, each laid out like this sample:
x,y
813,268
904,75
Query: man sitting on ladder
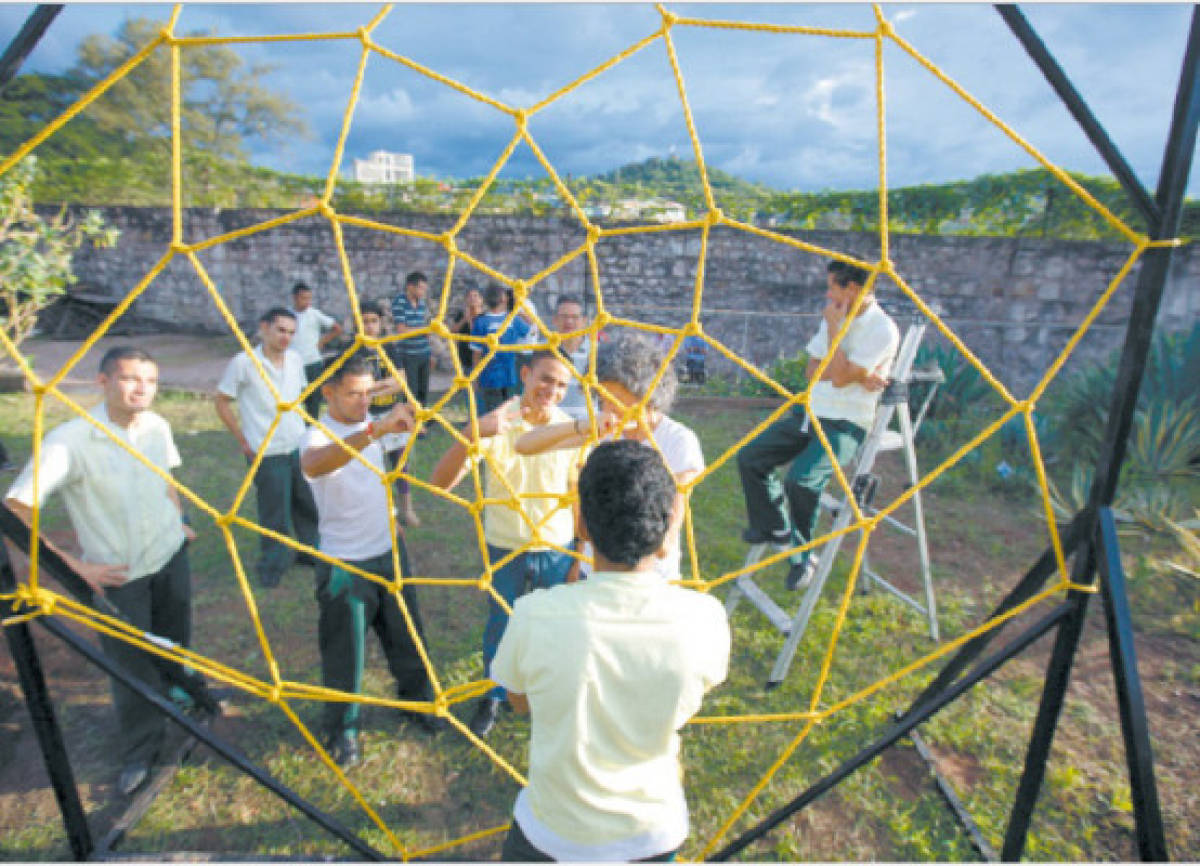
x,y
844,401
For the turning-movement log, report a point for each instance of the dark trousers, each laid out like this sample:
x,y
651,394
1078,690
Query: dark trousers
x,y
285,505
349,605
416,373
160,603
490,398
768,501
518,849
312,403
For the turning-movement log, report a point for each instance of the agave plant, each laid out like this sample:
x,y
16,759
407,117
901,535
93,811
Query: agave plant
x,y
1165,440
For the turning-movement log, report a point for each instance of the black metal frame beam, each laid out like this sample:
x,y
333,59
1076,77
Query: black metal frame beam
x,y
26,39
896,731
45,722
1037,50
1139,755
50,736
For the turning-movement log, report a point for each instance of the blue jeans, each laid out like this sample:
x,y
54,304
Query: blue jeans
x,y
536,569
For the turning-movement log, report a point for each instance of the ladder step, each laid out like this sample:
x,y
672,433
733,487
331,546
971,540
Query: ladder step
x,y
764,603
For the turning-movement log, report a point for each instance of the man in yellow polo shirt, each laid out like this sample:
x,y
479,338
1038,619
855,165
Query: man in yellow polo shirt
x,y
610,669
543,526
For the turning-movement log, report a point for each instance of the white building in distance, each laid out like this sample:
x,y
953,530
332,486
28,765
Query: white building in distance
x,y
383,166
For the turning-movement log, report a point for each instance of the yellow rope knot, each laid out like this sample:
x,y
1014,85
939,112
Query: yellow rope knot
x,y
325,209
439,329
275,696
521,116
226,520
886,30
593,234
714,217
553,339
448,243
692,329
520,290
180,247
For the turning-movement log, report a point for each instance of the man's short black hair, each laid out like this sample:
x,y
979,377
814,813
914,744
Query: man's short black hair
x,y
375,307
269,317
356,365
568,299
300,286
494,295
845,273
413,278
123,353
543,354
626,496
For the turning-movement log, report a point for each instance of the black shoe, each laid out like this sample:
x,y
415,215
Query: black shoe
x,y
801,574
757,536
343,748
425,722
484,718
133,776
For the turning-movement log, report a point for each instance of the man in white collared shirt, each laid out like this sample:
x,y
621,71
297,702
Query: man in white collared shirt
x,y
128,523
844,401
285,503
314,331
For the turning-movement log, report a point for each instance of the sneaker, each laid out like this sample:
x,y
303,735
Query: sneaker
x,y
800,574
757,536
425,722
484,718
343,748
133,776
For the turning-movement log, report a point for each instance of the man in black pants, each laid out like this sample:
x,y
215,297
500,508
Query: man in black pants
x,y
410,313
128,522
356,528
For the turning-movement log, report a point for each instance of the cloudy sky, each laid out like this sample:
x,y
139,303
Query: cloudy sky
x,y
792,111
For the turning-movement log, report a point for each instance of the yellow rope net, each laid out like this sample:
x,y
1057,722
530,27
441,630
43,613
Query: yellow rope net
x,y
33,599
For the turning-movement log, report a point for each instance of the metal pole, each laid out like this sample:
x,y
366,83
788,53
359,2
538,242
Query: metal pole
x,y
898,730
45,724
1027,587
1152,842
1054,692
226,750
1177,158
1075,104
26,40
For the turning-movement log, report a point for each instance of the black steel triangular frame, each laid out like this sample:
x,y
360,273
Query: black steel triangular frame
x,y
1091,535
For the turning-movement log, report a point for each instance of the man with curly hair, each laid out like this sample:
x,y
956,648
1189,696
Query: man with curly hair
x,y
610,670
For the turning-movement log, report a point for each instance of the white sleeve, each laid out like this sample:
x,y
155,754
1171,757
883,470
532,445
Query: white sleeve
x,y
506,664
819,344
231,379
174,461
876,346
55,471
323,320
314,437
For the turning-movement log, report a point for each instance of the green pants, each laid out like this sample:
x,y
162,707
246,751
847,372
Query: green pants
x,y
768,500
160,603
285,505
349,605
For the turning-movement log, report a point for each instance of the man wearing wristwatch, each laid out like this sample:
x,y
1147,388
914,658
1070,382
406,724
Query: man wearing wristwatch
x,y
543,526
355,527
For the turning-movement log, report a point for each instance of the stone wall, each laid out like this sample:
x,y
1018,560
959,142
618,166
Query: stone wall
x,y
1014,302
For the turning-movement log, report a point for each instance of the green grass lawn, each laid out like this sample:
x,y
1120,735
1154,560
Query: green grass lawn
x,y
432,790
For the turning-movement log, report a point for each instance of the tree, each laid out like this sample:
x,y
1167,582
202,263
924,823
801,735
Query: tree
x,y
223,102
35,253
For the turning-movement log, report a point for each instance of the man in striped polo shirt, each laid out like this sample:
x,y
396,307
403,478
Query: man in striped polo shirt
x,y
410,313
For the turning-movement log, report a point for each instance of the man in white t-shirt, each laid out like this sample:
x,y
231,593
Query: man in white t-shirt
x,y
356,528
844,401
610,669
314,331
522,560
569,319
285,503
128,522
